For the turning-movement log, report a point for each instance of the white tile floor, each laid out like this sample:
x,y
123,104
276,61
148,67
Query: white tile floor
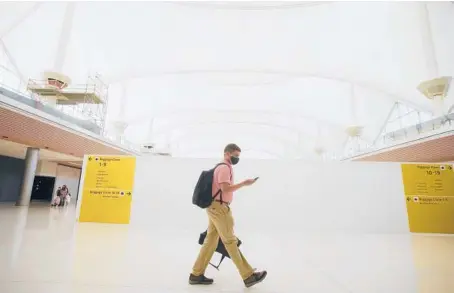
x,y
45,250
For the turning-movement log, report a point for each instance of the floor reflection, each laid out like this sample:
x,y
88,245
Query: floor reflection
x,y
43,249
434,262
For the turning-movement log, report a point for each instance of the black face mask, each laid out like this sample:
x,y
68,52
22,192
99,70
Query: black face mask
x,y
234,160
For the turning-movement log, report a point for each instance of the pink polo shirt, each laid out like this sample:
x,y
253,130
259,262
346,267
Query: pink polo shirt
x,y
223,174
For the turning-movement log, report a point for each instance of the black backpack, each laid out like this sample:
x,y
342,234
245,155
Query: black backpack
x,y
203,196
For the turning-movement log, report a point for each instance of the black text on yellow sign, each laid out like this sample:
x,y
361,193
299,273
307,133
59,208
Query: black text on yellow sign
x,y
431,214
429,195
109,193
428,179
106,206
107,189
115,172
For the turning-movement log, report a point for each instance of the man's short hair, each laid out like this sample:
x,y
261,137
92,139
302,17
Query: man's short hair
x,y
231,147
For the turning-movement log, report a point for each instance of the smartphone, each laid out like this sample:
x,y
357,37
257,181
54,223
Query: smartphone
x,y
255,179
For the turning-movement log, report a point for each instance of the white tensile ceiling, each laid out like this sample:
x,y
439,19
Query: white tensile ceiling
x,y
278,78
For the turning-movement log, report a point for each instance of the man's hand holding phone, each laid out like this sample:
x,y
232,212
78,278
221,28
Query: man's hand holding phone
x,y
249,182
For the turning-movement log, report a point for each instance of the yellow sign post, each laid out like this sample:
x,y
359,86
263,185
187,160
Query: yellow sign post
x,y
107,189
429,194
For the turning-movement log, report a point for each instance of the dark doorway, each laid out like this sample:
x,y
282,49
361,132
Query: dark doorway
x,y
43,187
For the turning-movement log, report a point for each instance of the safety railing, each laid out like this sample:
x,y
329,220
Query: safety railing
x,y
408,134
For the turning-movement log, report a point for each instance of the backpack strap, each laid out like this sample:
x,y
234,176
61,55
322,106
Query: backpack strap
x,y
220,191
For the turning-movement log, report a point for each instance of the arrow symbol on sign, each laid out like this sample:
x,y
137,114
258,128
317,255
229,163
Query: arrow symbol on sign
x,y
450,167
408,199
89,158
129,193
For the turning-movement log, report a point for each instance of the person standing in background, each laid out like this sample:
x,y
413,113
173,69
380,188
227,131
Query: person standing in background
x,y
221,224
57,199
63,194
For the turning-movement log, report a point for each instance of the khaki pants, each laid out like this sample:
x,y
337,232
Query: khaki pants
x,y
221,225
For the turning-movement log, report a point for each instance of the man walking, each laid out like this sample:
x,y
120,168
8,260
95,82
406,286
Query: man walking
x,y
221,224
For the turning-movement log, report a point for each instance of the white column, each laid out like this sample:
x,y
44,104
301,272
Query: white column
x,y
319,149
430,56
119,128
353,106
149,138
31,162
354,130
438,106
120,124
123,104
428,42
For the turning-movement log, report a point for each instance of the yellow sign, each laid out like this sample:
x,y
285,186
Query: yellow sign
x,y
114,172
429,194
428,179
107,189
431,214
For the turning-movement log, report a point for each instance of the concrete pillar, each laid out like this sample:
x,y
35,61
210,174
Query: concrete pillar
x,y
31,163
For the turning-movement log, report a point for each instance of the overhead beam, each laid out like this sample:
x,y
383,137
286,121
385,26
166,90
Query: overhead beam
x,y
247,6
199,123
292,115
291,74
19,20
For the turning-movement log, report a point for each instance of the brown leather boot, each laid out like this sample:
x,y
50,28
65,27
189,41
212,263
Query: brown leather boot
x,y
199,280
255,279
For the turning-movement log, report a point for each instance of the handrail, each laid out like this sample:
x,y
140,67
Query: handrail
x,y
408,134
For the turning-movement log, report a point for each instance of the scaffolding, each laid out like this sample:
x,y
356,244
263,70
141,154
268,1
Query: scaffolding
x,y
87,101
